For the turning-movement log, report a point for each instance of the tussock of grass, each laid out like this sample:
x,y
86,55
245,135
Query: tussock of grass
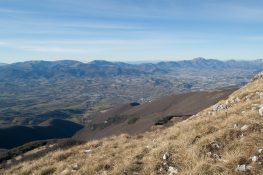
x,y
210,142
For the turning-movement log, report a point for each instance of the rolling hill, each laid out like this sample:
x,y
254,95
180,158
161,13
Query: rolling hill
x,y
225,139
135,119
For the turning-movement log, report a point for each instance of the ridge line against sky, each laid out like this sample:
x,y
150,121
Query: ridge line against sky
x,y
130,30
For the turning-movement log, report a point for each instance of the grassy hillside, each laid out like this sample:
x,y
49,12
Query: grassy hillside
x,y
223,139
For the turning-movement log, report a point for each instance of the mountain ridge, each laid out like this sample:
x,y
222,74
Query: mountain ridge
x,y
47,69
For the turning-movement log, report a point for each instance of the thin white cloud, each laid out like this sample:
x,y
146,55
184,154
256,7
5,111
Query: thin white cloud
x,y
14,11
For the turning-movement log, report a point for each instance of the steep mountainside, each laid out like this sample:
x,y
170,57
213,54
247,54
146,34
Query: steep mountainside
x,y
225,139
134,119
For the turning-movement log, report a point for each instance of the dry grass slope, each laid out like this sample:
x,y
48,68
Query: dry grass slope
x,y
215,141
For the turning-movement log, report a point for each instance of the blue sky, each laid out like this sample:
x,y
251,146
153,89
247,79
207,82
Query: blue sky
x,y
130,30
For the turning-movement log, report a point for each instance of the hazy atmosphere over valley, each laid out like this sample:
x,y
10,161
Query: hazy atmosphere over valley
x,y
131,87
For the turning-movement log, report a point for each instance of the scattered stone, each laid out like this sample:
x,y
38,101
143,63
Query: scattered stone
x,y
87,151
75,166
243,112
244,128
254,158
51,146
215,156
236,126
219,107
18,157
261,111
237,100
241,168
258,76
172,170
65,172
260,151
9,162
215,146
166,156
209,154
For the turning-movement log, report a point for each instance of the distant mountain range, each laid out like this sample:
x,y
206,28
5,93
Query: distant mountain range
x,y
100,68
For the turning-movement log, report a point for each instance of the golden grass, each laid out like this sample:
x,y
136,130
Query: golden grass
x,y
205,144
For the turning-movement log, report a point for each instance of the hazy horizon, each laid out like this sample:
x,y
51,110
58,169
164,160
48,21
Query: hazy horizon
x,y
131,62
129,30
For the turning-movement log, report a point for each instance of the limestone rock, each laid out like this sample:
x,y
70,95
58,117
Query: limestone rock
x,y
241,168
65,172
172,170
166,156
261,111
244,128
254,158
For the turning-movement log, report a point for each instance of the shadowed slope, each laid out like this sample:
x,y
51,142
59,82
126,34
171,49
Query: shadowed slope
x,y
54,128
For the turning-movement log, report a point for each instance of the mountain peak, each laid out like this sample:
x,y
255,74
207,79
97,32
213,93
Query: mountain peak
x,y
200,59
101,62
